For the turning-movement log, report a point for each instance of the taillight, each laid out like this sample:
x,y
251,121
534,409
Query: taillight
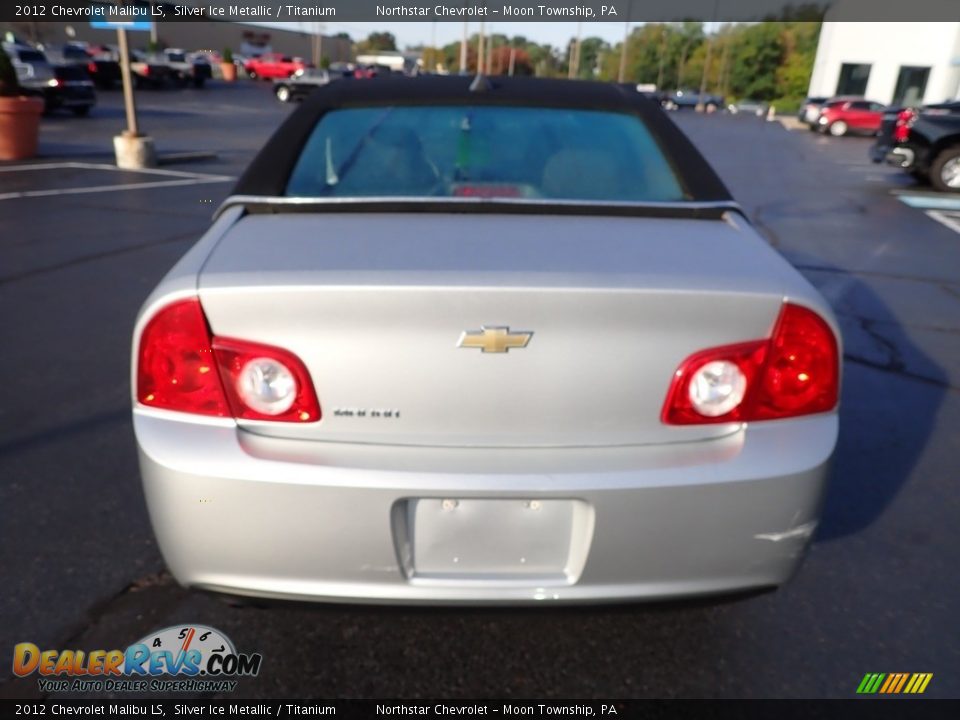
x,y
176,369
181,367
795,372
905,120
91,67
265,383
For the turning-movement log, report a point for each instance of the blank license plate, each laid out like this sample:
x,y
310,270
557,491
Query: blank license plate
x,y
496,539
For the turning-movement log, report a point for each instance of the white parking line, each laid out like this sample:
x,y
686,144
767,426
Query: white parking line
x,y
947,218
183,178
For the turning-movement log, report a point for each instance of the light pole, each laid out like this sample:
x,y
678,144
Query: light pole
x,y
463,51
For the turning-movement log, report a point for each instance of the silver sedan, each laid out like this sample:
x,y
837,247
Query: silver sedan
x,y
457,340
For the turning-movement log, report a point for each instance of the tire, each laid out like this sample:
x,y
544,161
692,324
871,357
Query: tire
x,y
81,110
945,170
838,128
198,82
252,74
283,93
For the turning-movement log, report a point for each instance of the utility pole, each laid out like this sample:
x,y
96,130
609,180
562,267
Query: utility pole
x,y
621,76
706,62
574,68
480,54
154,40
489,63
463,51
513,60
663,56
317,44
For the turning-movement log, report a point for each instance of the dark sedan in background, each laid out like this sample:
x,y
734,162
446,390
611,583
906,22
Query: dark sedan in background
x,y
71,89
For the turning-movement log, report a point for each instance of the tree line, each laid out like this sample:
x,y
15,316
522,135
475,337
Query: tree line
x,y
769,61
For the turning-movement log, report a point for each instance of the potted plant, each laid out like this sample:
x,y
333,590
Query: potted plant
x,y
19,115
227,67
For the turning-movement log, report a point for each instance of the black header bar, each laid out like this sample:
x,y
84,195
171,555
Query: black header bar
x,y
534,11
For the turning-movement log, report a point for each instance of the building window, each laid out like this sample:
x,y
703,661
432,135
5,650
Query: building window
x,y
911,85
853,79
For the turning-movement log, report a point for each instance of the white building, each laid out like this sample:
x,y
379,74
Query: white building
x,y
898,63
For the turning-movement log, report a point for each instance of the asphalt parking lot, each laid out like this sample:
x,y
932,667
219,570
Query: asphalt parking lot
x,y
82,244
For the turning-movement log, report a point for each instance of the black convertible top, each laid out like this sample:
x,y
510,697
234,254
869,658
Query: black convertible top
x,y
269,172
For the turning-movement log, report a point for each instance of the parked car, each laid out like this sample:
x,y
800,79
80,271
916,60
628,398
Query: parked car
x,y
188,68
273,65
810,110
749,107
689,99
925,142
103,70
842,116
34,71
450,346
149,70
71,89
301,84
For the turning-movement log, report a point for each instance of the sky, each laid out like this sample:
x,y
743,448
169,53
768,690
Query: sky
x,y
557,34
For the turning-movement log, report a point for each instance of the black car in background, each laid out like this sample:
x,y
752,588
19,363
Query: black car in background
x,y
103,70
923,141
690,99
71,89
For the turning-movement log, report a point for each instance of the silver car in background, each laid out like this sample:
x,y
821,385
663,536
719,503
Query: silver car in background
x,y
483,341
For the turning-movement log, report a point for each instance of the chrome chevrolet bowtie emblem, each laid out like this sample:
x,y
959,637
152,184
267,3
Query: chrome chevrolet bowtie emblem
x,y
494,339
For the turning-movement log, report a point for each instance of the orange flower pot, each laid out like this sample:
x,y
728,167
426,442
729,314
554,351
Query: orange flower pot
x,y
229,71
19,127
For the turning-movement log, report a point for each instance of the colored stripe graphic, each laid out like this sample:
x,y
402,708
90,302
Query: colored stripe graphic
x,y
894,683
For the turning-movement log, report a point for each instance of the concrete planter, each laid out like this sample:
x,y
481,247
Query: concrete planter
x,y
19,127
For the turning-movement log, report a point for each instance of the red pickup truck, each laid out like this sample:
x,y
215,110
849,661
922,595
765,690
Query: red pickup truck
x,y
273,65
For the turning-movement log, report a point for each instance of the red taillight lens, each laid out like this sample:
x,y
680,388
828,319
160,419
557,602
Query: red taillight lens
x,y
795,372
905,120
181,367
176,369
265,383
91,67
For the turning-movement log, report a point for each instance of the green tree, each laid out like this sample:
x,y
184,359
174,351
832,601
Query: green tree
x,y
377,42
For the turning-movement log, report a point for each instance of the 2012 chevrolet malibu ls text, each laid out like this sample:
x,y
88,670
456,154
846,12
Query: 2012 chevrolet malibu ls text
x,y
508,340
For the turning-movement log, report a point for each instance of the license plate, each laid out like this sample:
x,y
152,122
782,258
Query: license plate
x,y
511,539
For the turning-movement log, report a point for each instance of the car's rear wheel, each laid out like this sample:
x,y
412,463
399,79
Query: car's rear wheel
x,y
838,128
252,74
283,93
945,170
81,110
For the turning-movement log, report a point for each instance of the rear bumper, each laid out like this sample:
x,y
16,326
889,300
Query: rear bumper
x,y
252,516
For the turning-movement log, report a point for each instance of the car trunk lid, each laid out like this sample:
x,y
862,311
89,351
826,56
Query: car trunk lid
x,y
376,305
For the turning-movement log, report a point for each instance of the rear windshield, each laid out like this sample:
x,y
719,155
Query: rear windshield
x,y
70,72
454,151
31,56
